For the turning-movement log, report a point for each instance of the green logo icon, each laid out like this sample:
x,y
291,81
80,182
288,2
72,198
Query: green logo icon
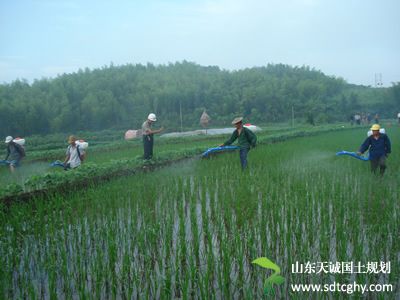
x,y
275,278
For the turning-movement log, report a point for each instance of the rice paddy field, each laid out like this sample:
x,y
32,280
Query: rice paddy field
x,y
191,230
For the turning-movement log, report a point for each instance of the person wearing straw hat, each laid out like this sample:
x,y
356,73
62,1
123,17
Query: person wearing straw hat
x,y
74,155
379,148
148,133
246,140
15,153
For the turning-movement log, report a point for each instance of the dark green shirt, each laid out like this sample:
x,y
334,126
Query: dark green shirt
x,y
246,139
14,151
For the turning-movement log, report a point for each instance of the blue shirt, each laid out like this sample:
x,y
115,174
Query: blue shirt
x,y
377,147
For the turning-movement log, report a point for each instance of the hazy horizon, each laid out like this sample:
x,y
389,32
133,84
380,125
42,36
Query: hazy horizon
x,y
354,40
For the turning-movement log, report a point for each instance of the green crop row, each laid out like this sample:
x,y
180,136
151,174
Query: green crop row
x,y
114,158
191,230
60,181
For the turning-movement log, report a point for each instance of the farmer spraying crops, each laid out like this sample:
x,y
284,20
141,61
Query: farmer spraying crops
x,y
15,153
246,140
74,154
379,148
148,139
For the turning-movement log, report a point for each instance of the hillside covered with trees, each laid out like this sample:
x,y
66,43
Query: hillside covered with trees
x,y
122,96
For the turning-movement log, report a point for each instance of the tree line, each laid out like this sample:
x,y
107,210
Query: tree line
x,y
121,97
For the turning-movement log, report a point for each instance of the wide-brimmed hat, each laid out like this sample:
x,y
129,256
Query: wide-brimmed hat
x,y
375,127
8,139
237,120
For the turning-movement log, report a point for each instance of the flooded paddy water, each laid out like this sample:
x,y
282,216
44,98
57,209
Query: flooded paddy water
x,y
192,230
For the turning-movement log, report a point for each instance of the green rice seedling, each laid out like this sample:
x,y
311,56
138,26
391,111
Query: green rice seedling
x,y
192,230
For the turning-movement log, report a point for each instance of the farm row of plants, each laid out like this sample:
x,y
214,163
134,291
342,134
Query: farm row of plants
x,y
192,230
60,181
52,146
44,143
109,160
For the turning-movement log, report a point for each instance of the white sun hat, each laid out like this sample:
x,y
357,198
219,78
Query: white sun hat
x,y
8,139
152,117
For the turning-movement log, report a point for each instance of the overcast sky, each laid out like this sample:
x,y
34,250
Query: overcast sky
x,y
353,39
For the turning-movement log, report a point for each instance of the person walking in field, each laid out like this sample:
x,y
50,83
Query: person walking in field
x,y
74,154
398,117
148,139
379,148
246,140
15,153
357,118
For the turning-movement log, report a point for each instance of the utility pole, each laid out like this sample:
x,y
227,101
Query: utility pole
x,y
292,116
378,80
180,113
